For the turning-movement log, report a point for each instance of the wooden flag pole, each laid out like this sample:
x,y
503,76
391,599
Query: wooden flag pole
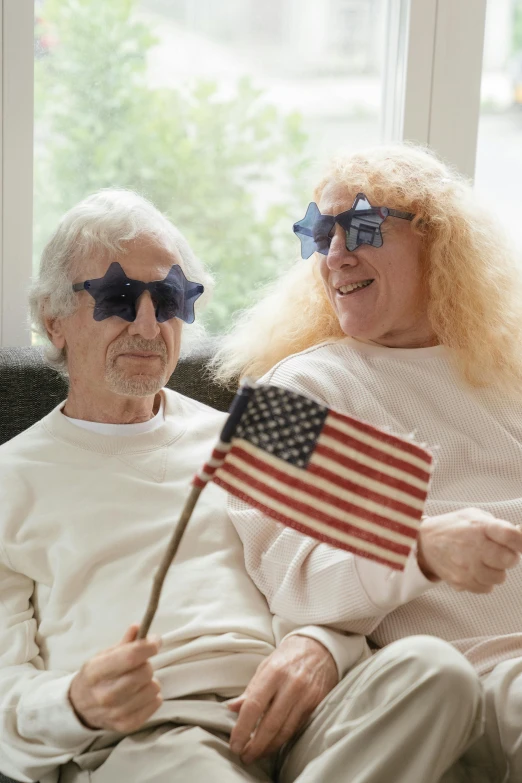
x,y
237,409
167,559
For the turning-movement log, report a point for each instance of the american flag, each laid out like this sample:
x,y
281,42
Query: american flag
x,y
328,475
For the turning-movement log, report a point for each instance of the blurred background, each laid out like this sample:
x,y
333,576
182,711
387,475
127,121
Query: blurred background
x,y
222,113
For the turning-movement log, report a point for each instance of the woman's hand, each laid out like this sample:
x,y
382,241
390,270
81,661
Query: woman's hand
x,y
469,549
281,696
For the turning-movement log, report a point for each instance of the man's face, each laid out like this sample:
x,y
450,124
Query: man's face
x,y
133,359
392,309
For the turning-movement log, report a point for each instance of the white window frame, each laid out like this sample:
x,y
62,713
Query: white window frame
x,y
443,78
16,167
431,95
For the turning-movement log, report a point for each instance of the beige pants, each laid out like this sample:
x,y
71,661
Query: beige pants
x,y
403,716
415,712
499,751
185,742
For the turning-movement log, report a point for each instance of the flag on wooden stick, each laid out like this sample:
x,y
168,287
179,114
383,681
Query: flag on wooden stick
x,y
326,474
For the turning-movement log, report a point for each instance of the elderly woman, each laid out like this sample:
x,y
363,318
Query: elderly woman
x,y
406,311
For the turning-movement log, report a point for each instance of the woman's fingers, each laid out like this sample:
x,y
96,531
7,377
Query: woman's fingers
x,y
489,577
497,556
504,533
469,549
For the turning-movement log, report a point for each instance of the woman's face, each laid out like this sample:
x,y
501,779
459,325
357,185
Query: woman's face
x,y
391,310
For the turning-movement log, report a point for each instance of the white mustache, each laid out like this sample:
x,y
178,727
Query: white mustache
x,y
139,344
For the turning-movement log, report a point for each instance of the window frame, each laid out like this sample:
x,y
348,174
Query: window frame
x,y
16,167
433,68
444,76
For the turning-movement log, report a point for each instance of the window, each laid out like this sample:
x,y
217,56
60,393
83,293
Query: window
x,y
214,111
499,154
222,112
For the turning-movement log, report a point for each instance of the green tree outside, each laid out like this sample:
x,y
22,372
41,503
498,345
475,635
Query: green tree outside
x,y
517,26
201,159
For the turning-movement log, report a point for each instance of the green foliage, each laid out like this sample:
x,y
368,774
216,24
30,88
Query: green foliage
x,y
517,27
228,171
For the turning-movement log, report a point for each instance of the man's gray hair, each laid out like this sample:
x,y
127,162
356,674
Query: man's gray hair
x,y
100,224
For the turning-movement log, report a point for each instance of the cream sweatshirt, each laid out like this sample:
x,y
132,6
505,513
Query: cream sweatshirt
x,y
84,520
476,438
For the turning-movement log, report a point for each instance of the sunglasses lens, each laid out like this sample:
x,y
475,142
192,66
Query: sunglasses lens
x,y
167,301
323,231
175,296
365,229
115,299
304,229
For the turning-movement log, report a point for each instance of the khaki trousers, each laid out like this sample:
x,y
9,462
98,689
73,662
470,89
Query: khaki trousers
x,y
498,754
415,712
185,742
403,716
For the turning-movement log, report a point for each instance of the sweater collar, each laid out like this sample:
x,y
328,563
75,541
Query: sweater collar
x,y
60,428
373,349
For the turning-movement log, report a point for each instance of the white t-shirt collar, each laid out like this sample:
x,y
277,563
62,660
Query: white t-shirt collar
x,y
123,429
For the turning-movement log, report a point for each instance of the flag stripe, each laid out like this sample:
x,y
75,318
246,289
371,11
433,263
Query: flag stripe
x,y
412,449
303,512
340,481
313,532
390,460
366,546
246,465
351,468
216,459
246,457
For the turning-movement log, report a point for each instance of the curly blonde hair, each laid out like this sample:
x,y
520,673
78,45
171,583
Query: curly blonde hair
x,y
473,276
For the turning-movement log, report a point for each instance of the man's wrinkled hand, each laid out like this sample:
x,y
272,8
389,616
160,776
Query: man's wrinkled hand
x,y
469,549
116,689
283,693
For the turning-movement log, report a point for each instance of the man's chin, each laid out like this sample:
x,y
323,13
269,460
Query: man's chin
x,y
135,385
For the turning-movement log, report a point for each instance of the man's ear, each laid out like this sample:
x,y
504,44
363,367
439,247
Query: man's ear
x,y
54,328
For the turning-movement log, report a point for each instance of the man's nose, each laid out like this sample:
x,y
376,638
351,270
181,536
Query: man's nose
x,y
145,323
338,254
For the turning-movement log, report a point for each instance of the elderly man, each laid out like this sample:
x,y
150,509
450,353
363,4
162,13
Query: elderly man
x,y
89,496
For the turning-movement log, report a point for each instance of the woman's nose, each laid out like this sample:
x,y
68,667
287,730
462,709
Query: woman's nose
x,y
145,323
338,254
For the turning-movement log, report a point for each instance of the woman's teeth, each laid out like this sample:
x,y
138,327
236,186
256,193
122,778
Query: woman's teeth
x,y
346,289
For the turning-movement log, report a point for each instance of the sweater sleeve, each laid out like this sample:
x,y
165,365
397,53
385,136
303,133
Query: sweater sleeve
x,y
308,582
38,727
347,650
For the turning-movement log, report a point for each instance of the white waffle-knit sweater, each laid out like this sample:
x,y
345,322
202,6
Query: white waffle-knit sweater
x,y
477,441
84,520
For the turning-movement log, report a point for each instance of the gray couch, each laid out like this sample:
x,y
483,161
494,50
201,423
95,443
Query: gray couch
x,y
29,390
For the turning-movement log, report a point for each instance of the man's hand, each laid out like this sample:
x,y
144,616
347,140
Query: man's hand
x,y
469,549
281,696
116,689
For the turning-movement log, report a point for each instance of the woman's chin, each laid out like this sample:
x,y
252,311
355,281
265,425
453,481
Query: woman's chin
x,y
353,328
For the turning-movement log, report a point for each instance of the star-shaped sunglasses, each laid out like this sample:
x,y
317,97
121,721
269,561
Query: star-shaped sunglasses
x,y
117,294
361,223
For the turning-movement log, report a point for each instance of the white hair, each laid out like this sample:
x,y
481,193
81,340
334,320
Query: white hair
x,y
100,224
